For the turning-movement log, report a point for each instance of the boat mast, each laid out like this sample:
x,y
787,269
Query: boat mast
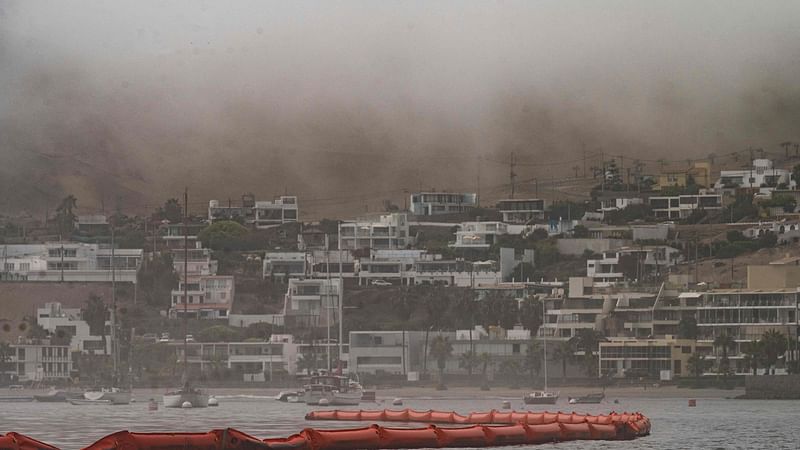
x,y
185,282
544,340
341,308
114,352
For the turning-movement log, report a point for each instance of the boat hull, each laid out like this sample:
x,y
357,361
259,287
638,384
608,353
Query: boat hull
x,y
590,400
115,397
333,398
540,400
198,400
84,402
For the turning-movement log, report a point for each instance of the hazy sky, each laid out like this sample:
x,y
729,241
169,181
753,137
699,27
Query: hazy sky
x,y
349,103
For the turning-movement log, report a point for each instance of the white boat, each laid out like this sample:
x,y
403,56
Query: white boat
x,y
196,397
83,402
543,397
114,396
332,390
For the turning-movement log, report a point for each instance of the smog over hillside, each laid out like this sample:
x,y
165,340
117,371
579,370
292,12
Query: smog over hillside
x,y
348,104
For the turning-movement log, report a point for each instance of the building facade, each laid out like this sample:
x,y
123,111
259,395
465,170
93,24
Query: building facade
x,y
435,203
521,211
387,232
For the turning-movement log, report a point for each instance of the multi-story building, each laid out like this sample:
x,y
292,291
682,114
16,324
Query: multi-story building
x,y
390,352
285,265
479,234
57,320
69,261
312,302
388,232
40,361
176,236
205,297
277,212
435,203
745,315
256,361
682,206
763,173
457,272
621,357
618,265
521,211
786,232
261,214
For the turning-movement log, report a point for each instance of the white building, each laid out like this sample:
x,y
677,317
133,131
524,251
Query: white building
x,y
209,297
434,203
261,214
388,232
479,234
785,231
457,272
391,265
40,361
645,260
682,206
53,318
616,204
256,361
69,261
762,174
280,211
312,302
285,265
521,211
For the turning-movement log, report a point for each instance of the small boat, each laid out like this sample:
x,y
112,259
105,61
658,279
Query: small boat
x,y
115,396
332,390
16,399
590,398
84,402
541,398
195,397
56,396
285,396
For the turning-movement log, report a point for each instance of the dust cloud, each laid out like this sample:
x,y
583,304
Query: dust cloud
x,y
349,103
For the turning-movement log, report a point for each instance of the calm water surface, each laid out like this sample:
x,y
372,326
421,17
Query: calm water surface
x,y
713,424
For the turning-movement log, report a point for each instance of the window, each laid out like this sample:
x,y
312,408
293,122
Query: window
x,y
686,349
515,348
24,267
9,266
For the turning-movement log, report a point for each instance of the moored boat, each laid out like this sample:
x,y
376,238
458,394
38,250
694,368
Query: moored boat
x,y
16,399
56,396
83,402
196,397
590,398
332,390
115,396
541,398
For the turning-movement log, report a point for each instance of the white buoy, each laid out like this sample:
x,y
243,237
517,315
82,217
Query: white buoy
x,y
324,402
213,401
397,402
186,405
506,404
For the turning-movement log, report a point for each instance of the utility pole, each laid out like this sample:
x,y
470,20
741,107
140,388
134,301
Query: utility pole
x,y
185,284
341,311
478,187
512,175
328,306
113,308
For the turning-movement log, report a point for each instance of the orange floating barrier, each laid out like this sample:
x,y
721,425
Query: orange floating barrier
x,y
459,419
348,415
396,416
359,438
549,417
408,438
479,418
293,442
373,415
540,434
462,437
502,417
419,416
534,418
507,435
162,441
16,441
575,431
441,417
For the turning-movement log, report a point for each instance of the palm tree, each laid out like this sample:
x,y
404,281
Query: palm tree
x,y
724,342
697,364
441,349
753,353
65,214
773,344
95,316
588,341
485,360
510,368
786,146
564,352
468,360
533,358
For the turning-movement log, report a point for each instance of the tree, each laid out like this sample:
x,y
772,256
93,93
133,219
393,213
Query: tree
x,y
687,328
441,349
221,235
697,364
65,214
485,360
564,353
468,360
773,344
533,358
95,314
156,280
171,211
753,355
5,356
510,368
725,343
580,231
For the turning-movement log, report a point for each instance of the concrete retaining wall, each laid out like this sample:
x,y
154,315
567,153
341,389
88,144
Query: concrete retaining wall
x,y
784,387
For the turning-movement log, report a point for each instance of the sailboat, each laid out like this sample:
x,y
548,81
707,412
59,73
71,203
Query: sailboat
x,y
187,395
113,395
543,397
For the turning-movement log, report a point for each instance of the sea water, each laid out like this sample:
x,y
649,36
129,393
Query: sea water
x,y
713,424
